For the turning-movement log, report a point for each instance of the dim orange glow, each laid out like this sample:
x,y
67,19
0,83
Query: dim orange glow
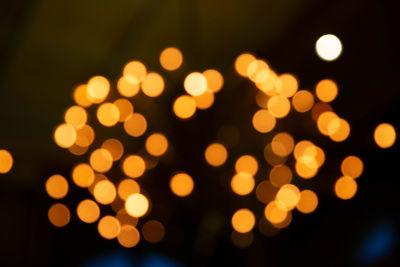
x,y
265,191
153,231
57,186
171,58
59,215
77,150
81,96
136,205
242,240
308,201
242,184
108,114
104,192
242,63
181,184
98,89
125,108
205,100
76,116
271,157
326,90
263,121
385,135
88,211
133,166
282,144
303,101
279,106
243,221
156,144
129,236
280,175
126,88
124,218
287,85
195,84
109,227
153,84
127,187
101,160
216,154
352,166
135,72
345,187
262,99
215,80
184,106
275,212
247,164
84,136
320,108
135,125
65,135
83,175
115,147
6,161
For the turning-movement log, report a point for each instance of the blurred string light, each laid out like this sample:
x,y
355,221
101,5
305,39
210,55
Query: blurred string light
x,y
288,158
6,161
328,47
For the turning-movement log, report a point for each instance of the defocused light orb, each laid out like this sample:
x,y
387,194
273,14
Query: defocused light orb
x,y
242,62
243,221
6,161
308,201
216,154
242,184
56,186
320,108
181,184
129,236
324,120
81,96
171,58
282,144
85,136
115,147
124,218
153,231
195,84
65,135
280,175
385,135
303,101
258,71
136,205
88,211
126,88
76,116
345,187
215,80
326,90
59,215
247,164
263,121
153,84
265,192
156,144
104,192
125,108
135,72
184,106
288,195
108,114
133,166
278,106
328,47
109,227
127,187
352,166
135,125
241,240
101,160
205,100
338,129
287,85
275,212
83,175
98,88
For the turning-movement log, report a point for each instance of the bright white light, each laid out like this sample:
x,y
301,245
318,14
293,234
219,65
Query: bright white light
x,y
328,47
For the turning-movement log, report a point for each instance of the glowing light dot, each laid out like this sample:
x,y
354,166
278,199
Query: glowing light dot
x,y
287,85
135,125
171,58
76,116
215,80
115,147
242,62
242,184
338,130
6,161
125,108
153,84
135,72
265,192
326,90
57,186
280,175
328,47
243,221
81,96
308,201
247,164
104,192
108,114
83,175
153,231
184,107
303,101
181,184
258,71
205,100
126,88
195,84
129,236
278,106
275,212
59,215
109,227
101,160
98,88
352,166
127,187
263,121
345,187
136,205
385,135
324,121
282,144
65,135
288,195
156,144
84,136
134,166
88,211
216,154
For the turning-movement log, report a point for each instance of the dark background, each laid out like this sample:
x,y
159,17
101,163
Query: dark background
x,y
48,47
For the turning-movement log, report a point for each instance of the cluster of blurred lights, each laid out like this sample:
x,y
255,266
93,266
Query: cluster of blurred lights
x,y
277,95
